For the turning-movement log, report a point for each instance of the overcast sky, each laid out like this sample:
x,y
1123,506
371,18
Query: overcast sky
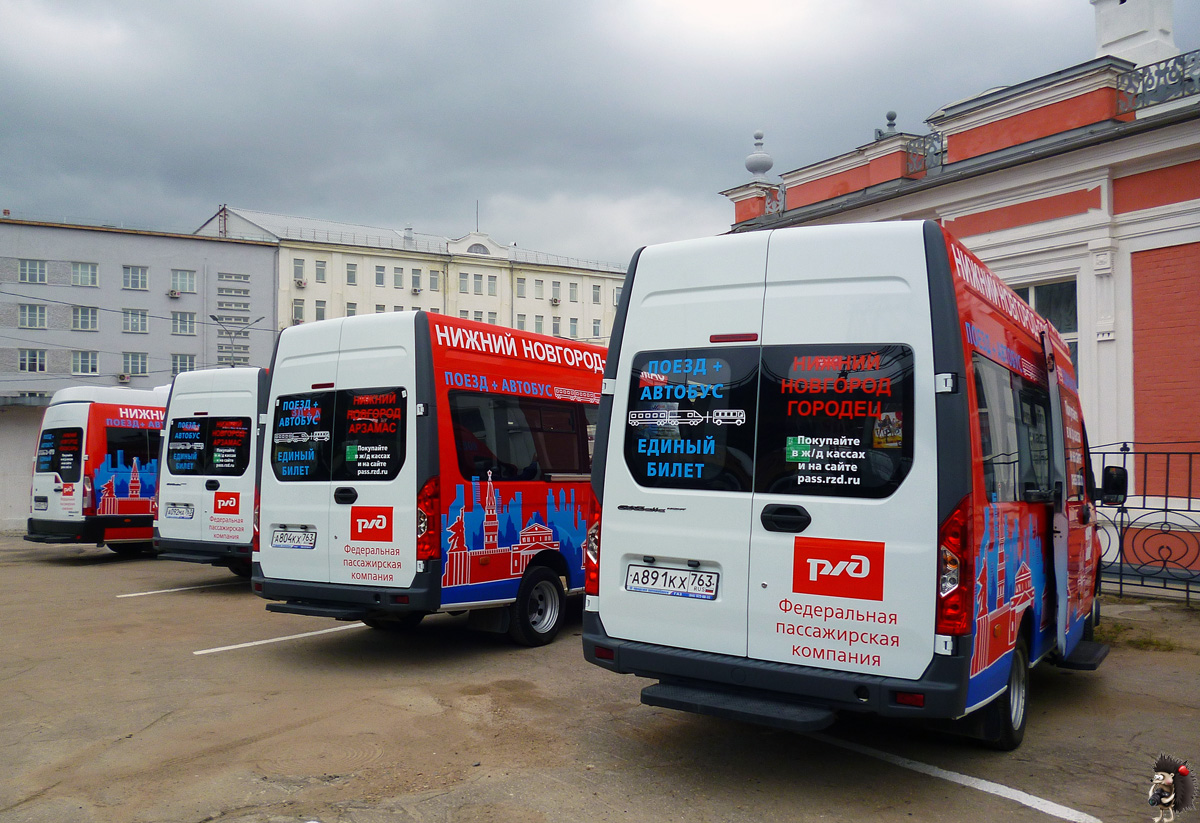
x,y
584,128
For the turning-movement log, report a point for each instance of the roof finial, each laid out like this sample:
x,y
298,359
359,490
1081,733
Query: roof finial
x,y
758,163
891,127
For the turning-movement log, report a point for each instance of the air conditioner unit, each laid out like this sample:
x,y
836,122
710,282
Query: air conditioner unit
x,y
122,378
301,284
296,321
173,293
416,291
554,301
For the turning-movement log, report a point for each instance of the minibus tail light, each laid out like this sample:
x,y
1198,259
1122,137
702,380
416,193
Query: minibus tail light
x,y
89,504
955,580
428,510
591,557
254,531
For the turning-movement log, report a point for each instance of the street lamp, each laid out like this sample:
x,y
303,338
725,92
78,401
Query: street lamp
x,y
229,334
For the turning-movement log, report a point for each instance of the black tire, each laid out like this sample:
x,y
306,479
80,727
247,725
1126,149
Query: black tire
x,y
537,614
241,568
1093,620
395,623
1006,715
129,549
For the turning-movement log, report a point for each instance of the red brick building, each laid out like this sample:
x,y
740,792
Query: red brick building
x,y
1080,188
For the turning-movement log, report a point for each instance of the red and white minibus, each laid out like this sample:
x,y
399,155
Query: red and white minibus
x,y
843,468
416,463
95,468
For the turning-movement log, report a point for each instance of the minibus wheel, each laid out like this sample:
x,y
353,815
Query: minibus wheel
x,y
1008,712
537,613
240,567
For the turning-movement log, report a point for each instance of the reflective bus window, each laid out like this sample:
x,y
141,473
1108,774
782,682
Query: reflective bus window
x,y
519,438
301,436
368,435
61,451
217,446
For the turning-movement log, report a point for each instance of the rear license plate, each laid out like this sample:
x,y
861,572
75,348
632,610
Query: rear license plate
x,y
672,582
293,539
179,511
40,504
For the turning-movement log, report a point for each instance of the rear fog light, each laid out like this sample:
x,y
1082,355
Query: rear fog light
x,y
915,699
400,599
605,653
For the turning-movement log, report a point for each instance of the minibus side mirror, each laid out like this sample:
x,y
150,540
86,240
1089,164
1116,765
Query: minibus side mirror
x,y
1114,486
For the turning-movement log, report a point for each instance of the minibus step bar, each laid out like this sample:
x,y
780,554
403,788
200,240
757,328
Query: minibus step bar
x,y
313,610
1087,656
747,708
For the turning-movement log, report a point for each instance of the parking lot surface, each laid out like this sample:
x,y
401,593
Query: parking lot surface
x,y
150,690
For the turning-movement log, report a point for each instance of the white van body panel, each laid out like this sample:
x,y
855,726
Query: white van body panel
x,y
687,291
60,506
210,393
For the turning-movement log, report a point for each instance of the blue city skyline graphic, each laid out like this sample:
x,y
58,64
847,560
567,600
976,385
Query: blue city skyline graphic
x,y
120,470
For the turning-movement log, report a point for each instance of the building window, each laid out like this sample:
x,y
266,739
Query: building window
x,y
135,362
398,277
596,329
574,326
464,283
573,292
556,326
539,289
320,271
435,310
555,290
478,317
297,310
520,287
1057,303
479,284
85,362
537,323
85,274
351,309
319,310
380,308
433,280
136,321
416,278
231,291
182,362
381,276
32,271
31,360
184,281
617,296
491,285
596,293
521,322
85,318
465,315
298,268
226,277
492,317
135,277
477,248
351,274
397,308
183,322
32,316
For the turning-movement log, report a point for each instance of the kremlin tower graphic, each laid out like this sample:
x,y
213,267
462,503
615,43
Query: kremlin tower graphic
x,y
497,543
120,489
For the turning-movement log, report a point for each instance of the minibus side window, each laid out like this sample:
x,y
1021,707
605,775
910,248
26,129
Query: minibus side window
x,y
691,416
301,437
997,421
835,420
1033,436
518,438
61,451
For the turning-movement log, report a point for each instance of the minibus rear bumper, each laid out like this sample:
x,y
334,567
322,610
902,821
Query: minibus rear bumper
x,y
346,602
95,530
771,692
199,551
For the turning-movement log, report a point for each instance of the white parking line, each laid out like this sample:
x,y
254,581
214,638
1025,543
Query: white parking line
x,y
279,639
183,589
1032,801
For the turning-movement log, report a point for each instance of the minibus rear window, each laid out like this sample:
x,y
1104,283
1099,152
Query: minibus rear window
x,y
208,446
302,437
690,421
347,435
60,451
835,420
519,438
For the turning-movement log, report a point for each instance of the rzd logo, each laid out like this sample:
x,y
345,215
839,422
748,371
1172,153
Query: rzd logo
x,y
227,502
838,568
372,523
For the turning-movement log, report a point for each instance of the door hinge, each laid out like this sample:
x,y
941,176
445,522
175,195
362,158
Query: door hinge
x,y
946,383
608,386
422,409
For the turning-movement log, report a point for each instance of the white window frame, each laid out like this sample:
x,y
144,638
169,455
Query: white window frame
x,y
31,316
85,274
135,278
135,362
183,322
85,318
31,361
32,271
85,362
135,321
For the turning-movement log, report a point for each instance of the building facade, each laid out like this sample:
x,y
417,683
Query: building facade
x,y
329,269
1081,189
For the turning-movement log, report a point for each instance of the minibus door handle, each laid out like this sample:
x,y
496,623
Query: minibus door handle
x,y
344,495
212,485
785,518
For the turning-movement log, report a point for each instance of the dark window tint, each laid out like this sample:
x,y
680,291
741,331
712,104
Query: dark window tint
x,y
835,420
140,443
1014,433
209,446
301,436
61,451
690,421
518,438
368,435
